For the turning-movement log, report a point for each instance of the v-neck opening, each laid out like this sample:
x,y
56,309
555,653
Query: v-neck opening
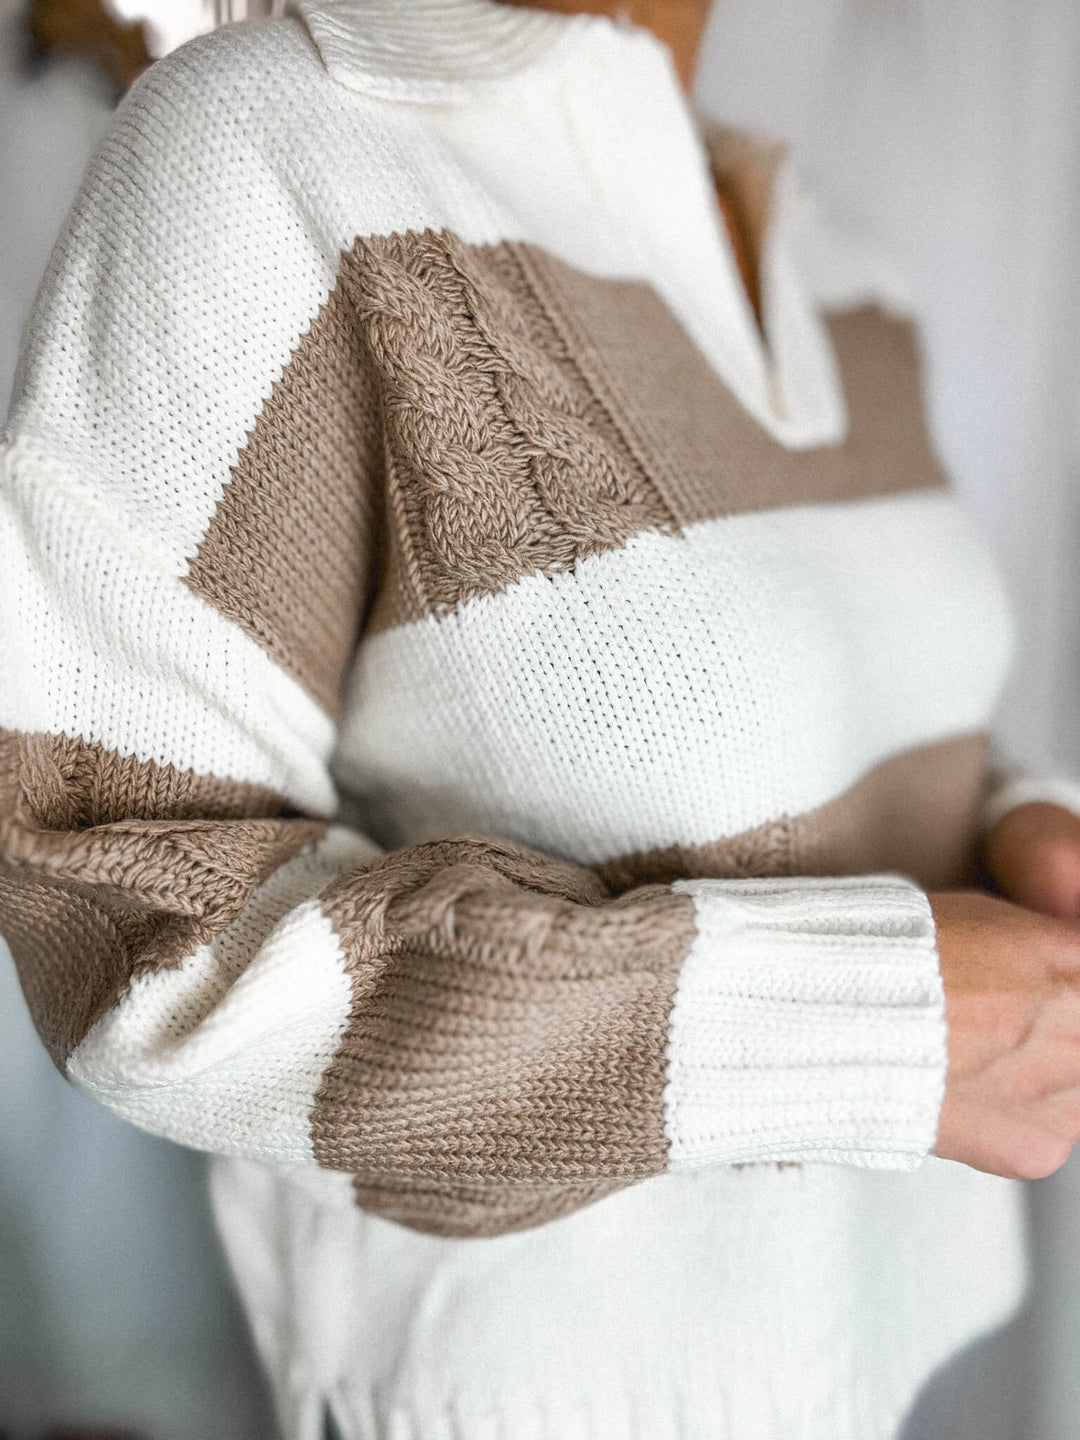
x,y
743,172
797,393
635,142
747,254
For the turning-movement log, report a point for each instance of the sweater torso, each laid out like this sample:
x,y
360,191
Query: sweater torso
x,y
672,645
625,583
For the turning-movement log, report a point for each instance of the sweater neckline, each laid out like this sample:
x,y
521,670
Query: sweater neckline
x,y
436,51
453,51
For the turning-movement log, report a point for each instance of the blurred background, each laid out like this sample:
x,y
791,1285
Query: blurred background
x,y
947,128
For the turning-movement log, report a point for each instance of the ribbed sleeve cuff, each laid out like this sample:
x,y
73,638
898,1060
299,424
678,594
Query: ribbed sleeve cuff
x,y
808,1024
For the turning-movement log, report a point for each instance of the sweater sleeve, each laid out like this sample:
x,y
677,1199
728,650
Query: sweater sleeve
x,y
1011,784
483,1035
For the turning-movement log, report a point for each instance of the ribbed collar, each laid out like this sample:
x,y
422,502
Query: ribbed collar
x,y
431,50
451,51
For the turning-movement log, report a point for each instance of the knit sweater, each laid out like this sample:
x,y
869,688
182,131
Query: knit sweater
x,y
478,723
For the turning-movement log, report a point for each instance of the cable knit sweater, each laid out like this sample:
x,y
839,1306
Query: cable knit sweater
x,y
478,721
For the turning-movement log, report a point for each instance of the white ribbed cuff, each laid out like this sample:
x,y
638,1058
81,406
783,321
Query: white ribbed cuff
x,y
808,1024
1025,790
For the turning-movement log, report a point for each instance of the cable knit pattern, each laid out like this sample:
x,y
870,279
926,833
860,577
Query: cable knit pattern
x,y
477,726
493,451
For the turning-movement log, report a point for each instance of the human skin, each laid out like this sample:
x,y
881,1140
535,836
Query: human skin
x,y
680,24
1011,968
1010,964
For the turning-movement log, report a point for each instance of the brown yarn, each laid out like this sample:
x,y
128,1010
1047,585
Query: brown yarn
x,y
60,28
505,1055
111,867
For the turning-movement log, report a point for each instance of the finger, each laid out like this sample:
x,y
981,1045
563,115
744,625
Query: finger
x,y
1001,1142
1034,855
1055,885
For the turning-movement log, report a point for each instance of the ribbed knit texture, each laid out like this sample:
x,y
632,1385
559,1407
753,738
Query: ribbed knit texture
x,y
477,726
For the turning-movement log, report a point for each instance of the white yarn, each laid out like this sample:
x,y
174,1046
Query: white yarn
x,y
808,1021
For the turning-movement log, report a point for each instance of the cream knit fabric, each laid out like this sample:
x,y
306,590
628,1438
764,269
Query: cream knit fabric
x,y
476,724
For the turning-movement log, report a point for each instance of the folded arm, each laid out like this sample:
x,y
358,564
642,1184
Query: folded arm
x,y
483,1035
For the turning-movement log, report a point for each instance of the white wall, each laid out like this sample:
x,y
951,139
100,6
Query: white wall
x,y
951,130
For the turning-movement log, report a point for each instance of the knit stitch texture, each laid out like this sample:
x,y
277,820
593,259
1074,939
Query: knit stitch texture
x,y
478,722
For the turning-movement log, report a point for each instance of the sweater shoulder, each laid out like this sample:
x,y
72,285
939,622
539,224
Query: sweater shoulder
x,y
211,219
255,76
244,110
199,138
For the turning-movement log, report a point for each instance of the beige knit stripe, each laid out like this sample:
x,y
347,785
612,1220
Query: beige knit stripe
x,y
916,813
459,416
509,1027
583,412
111,866
70,783
702,450
501,460
73,946
290,552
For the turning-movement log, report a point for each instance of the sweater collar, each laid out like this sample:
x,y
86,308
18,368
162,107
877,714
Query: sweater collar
x,y
450,51
432,50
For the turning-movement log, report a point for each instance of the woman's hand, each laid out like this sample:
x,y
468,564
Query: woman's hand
x,y
1033,853
1012,995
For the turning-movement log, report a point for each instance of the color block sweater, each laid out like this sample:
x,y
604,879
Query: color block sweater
x,y
478,721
